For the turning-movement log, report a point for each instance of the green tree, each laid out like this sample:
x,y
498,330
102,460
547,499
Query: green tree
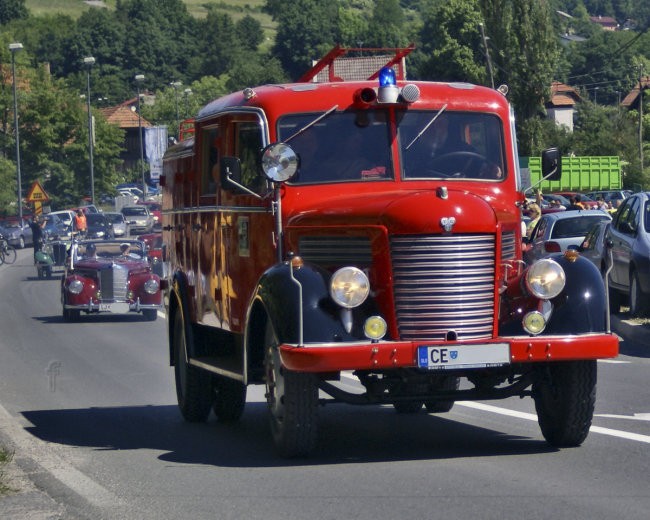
x,y
12,10
450,42
386,26
307,29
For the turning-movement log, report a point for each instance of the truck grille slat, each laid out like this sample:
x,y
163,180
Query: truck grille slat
x,y
443,284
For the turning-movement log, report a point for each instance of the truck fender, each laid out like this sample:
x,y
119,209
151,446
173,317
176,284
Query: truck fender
x,y
582,306
178,303
279,295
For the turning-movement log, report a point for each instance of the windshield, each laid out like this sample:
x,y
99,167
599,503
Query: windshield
x,y
134,211
463,145
355,146
115,218
342,147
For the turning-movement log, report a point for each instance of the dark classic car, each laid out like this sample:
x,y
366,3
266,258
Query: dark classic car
x,y
154,248
629,236
109,276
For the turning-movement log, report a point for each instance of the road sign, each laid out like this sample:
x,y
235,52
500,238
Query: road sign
x,y
37,193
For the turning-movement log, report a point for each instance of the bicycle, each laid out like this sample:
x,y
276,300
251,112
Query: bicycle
x,y
7,252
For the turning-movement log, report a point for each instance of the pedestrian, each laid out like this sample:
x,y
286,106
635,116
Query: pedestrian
x,y
575,205
535,213
80,223
37,225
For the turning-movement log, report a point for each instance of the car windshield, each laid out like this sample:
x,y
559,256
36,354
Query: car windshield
x,y
110,250
115,218
95,219
575,227
133,211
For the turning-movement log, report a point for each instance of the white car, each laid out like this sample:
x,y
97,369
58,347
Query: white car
x,y
555,232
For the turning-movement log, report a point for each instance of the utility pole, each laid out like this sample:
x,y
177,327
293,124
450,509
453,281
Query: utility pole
x,y
487,54
641,118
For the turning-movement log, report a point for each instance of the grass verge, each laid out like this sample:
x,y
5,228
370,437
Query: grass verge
x,y
5,458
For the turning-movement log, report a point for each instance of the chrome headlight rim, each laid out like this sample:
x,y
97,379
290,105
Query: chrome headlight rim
x,y
545,279
151,286
75,286
349,287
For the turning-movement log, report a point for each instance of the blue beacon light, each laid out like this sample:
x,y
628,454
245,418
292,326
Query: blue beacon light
x,y
388,91
387,77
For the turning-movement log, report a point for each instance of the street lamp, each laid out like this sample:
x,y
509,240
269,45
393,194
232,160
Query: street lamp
x,y
187,93
89,61
175,85
14,48
139,78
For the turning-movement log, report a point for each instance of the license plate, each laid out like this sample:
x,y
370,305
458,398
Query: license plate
x,y
446,357
115,308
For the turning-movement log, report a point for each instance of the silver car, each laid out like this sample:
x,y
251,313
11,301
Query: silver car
x,y
555,232
139,218
120,226
17,234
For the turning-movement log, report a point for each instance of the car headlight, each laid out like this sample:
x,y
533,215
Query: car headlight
x,y
349,287
545,279
151,286
76,286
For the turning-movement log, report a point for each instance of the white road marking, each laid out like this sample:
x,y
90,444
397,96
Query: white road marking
x,y
39,451
532,417
635,417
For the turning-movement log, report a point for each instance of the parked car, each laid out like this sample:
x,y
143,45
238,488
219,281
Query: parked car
x,y
18,234
101,277
593,246
56,229
120,226
139,218
555,232
630,239
98,226
586,201
610,195
155,208
66,215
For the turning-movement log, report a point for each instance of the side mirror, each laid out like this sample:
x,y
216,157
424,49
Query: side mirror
x,y
551,164
230,171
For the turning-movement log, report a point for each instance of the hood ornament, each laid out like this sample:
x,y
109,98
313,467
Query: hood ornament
x,y
447,223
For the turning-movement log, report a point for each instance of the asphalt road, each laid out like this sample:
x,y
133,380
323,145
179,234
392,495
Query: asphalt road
x,y
89,409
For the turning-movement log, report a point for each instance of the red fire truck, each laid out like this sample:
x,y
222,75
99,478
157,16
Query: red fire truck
x,y
369,229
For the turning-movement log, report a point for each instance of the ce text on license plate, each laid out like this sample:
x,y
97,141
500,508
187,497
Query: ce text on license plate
x,y
446,357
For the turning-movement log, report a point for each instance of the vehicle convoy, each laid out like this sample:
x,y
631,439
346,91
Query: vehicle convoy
x,y
315,228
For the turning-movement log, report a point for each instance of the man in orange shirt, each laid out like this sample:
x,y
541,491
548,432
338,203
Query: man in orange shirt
x,y
80,223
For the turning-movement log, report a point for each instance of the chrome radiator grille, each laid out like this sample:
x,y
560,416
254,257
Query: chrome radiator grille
x,y
113,283
444,284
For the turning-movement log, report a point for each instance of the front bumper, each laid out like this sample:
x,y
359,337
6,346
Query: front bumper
x,y
385,355
113,307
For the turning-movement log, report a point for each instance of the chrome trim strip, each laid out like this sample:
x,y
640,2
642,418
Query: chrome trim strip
x,y
216,209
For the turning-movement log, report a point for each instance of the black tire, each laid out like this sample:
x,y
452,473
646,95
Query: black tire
x,y
407,406
71,315
47,271
638,300
193,386
41,272
150,314
450,384
229,398
292,399
565,396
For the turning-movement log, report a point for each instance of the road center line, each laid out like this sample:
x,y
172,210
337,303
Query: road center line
x,y
532,417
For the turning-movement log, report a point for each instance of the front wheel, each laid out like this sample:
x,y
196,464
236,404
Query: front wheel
x,y
638,300
565,397
193,385
449,384
292,399
9,254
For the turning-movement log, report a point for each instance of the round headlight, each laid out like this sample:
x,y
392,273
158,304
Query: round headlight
x,y
534,322
545,279
279,162
151,286
349,287
76,286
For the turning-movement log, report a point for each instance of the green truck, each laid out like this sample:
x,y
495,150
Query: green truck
x,y
581,174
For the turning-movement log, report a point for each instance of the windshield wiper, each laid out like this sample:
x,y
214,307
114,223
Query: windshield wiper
x,y
426,126
312,123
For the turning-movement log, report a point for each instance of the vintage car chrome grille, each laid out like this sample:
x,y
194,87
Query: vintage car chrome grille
x,y
442,285
113,283
508,249
336,250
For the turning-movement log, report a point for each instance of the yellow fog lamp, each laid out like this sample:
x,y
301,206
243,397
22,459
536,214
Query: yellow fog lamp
x,y
375,328
534,322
